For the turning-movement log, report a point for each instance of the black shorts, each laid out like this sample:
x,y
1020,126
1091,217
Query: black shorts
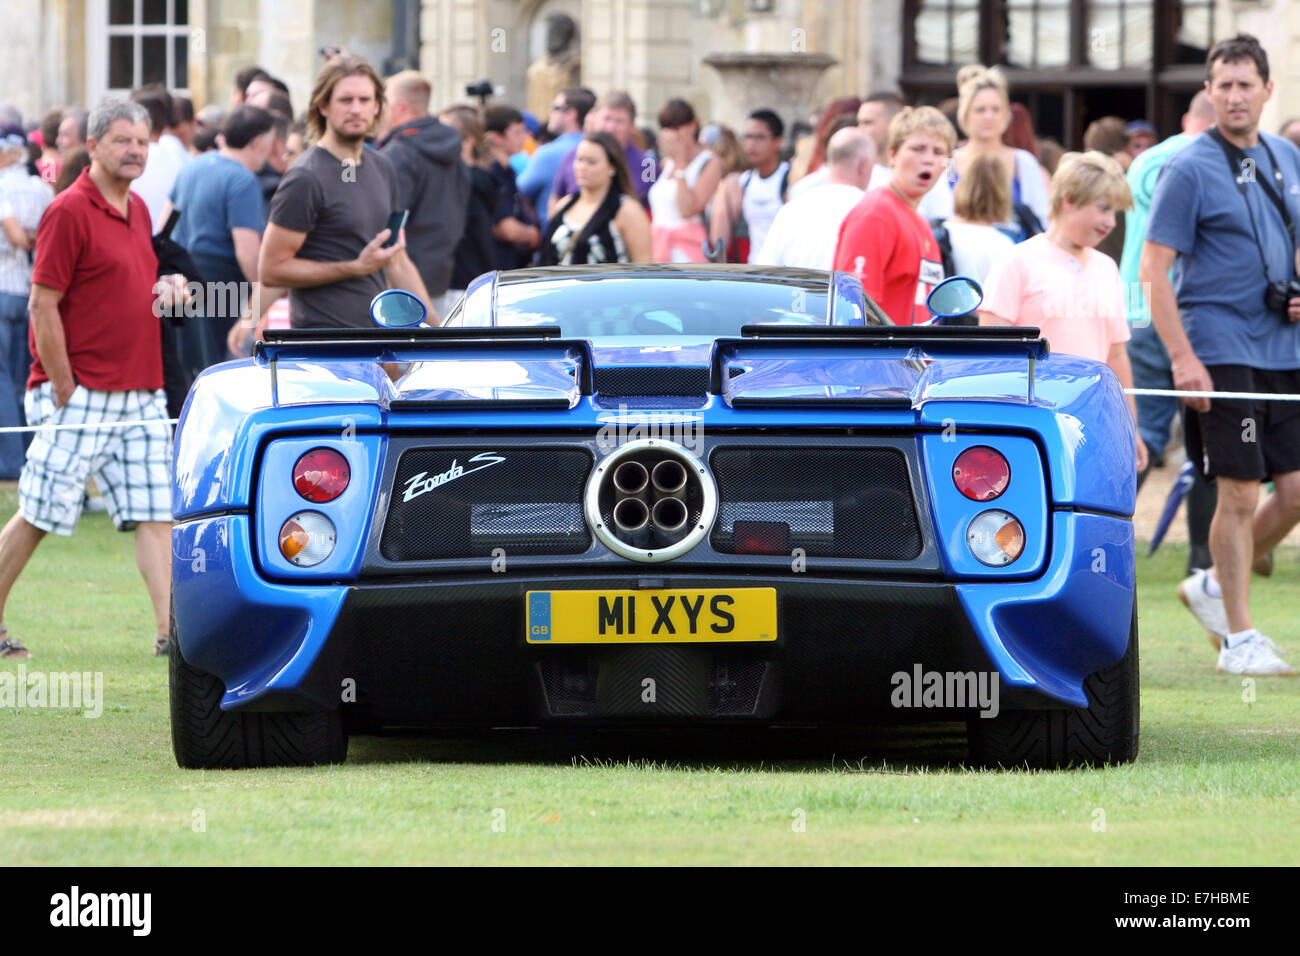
x,y
1243,438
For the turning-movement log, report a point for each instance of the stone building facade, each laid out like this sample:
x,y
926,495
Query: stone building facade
x,y
726,56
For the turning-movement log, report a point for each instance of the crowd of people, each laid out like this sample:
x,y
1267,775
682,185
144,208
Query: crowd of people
x,y
300,209
255,187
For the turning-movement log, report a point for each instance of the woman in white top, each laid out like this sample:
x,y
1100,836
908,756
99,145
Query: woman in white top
x,y
602,222
984,112
982,200
688,176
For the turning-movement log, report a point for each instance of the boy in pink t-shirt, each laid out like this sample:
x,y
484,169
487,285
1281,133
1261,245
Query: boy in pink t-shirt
x,y
1078,307
1059,282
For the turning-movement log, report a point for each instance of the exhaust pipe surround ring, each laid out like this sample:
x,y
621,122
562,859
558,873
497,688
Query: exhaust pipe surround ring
x,y
697,500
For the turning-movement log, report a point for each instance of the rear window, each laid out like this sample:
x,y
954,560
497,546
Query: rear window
x,y
613,307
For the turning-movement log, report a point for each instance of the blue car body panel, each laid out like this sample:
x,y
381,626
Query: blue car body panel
x,y
1046,621
255,634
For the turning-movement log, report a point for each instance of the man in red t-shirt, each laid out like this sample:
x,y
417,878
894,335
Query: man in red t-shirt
x,y
882,240
94,332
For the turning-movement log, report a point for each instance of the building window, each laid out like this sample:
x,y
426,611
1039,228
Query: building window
x,y
1120,34
139,42
1194,33
1038,33
947,32
1069,61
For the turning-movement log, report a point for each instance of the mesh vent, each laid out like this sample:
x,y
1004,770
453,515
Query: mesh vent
x,y
734,687
570,688
447,504
669,380
834,503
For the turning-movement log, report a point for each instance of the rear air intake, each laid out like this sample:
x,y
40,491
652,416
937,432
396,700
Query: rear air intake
x,y
466,502
831,502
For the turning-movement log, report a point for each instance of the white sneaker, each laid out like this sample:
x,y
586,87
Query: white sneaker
x,y
1208,610
1254,657
1266,641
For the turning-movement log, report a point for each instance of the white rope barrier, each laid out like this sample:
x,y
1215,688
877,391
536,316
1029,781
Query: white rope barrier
x,y
1251,396
86,426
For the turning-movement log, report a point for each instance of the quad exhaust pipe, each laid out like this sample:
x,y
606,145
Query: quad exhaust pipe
x,y
669,517
669,478
634,517
631,480
632,521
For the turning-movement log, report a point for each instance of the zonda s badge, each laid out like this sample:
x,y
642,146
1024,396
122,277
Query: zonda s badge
x,y
418,484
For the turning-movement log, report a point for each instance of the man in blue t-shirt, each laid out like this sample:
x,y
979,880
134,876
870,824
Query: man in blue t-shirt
x,y
220,226
1223,218
1146,354
568,115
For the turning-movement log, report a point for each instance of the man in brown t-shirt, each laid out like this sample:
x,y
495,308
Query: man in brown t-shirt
x,y
94,333
329,217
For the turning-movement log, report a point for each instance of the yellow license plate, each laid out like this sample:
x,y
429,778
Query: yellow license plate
x,y
651,616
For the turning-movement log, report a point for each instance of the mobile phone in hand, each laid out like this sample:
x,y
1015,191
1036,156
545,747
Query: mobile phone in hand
x,y
396,222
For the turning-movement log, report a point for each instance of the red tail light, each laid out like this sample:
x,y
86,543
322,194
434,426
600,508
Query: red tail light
x,y
762,537
980,473
321,475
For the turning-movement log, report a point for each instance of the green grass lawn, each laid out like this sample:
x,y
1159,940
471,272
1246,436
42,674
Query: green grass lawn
x,y
1216,782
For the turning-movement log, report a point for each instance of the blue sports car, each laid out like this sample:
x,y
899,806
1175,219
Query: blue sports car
x,y
654,495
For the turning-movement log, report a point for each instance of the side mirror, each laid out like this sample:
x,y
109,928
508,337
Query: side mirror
x,y
397,309
955,297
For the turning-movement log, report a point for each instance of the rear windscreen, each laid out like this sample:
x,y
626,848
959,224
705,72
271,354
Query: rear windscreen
x,y
698,306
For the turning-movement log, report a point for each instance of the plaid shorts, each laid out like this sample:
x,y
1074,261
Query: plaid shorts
x,y
131,465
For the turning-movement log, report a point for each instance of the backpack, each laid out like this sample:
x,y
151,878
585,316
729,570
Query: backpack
x,y
1029,223
944,241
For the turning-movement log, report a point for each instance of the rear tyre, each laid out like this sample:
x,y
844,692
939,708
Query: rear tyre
x,y
204,736
1105,732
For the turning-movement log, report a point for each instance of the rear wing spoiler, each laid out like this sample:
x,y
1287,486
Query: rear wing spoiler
x,y
871,365
403,345
966,336
780,365
528,345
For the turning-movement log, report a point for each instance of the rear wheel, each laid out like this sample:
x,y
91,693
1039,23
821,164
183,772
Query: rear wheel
x,y
1105,732
205,736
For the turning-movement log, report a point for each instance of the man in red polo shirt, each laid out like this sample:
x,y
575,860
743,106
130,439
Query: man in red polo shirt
x,y
883,241
95,335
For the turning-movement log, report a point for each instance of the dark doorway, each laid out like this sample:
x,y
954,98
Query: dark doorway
x,y
1047,107
1126,102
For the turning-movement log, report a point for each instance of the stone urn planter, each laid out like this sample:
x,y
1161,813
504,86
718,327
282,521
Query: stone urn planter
x,y
783,82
